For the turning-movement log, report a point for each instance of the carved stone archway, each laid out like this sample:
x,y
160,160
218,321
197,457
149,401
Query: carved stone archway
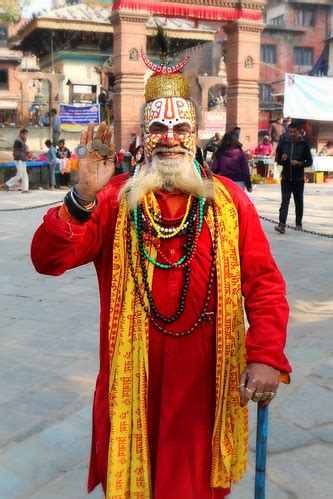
x,y
241,20
55,85
205,83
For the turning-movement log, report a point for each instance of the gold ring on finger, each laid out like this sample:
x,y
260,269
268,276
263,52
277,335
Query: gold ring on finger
x,y
249,390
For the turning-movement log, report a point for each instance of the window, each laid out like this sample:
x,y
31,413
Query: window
x,y
4,79
3,34
303,56
268,54
304,16
265,93
278,21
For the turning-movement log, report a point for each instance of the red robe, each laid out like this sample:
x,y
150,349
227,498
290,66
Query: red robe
x,y
181,389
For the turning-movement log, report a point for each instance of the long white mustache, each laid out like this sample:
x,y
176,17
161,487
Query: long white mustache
x,y
168,174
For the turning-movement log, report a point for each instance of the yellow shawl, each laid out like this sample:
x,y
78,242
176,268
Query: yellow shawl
x,y
128,473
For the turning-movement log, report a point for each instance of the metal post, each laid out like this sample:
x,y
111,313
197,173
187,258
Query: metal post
x,y
261,449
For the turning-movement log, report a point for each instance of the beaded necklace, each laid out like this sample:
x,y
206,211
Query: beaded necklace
x,y
151,313
145,218
157,228
187,258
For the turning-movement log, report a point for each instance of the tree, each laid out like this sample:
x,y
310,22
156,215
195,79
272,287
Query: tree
x,y
10,11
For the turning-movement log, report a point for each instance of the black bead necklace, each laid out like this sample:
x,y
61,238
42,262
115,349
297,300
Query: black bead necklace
x,y
205,314
188,251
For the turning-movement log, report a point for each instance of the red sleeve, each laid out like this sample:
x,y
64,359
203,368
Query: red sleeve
x,y
263,288
59,245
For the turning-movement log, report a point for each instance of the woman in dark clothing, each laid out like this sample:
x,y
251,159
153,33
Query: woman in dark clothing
x,y
230,161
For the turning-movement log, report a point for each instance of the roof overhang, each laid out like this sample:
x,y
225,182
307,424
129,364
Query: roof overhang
x,y
65,24
11,58
52,24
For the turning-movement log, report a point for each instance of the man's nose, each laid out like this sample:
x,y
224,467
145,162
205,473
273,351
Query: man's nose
x,y
170,140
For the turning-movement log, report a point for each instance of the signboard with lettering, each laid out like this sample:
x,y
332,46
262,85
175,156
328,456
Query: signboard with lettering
x,y
263,123
215,120
75,118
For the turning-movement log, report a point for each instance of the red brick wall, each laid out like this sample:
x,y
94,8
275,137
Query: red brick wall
x,y
14,85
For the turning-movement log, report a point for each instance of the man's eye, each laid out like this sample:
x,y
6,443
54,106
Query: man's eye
x,y
182,130
157,129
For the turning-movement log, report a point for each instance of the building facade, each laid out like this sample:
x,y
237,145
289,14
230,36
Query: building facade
x,y
57,40
77,41
9,63
294,41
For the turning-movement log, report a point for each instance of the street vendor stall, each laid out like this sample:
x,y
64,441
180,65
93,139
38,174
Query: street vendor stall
x,y
30,164
322,164
39,175
267,167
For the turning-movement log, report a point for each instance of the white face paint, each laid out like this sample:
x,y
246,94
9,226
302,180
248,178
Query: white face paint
x,y
175,117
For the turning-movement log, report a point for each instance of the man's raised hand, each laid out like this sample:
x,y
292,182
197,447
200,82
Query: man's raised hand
x,y
95,170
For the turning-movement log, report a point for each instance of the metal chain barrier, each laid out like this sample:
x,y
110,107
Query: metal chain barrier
x,y
314,233
271,220
32,207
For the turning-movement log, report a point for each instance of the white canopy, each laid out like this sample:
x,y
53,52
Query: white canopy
x,y
308,97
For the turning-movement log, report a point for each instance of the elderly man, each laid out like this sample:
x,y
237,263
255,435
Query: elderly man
x,y
174,249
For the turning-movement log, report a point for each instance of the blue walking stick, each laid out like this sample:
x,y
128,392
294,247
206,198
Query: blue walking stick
x,y
261,449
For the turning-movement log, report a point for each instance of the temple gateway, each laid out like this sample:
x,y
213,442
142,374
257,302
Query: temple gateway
x,y
114,44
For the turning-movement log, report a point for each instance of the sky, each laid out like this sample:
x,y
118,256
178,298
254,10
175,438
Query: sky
x,y
35,6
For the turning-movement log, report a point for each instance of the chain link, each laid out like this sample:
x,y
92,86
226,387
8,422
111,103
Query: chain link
x,y
271,220
314,233
32,207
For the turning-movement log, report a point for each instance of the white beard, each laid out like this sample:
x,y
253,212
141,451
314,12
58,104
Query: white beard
x,y
168,174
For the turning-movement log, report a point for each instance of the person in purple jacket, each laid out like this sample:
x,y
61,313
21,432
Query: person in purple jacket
x,y
230,161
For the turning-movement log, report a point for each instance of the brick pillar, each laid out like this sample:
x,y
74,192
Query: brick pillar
x,y
243,64
129,36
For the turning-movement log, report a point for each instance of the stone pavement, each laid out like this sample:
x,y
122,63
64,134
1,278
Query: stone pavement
x,y
49,358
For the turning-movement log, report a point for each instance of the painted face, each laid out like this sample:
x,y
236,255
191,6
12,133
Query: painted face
x,y
169,117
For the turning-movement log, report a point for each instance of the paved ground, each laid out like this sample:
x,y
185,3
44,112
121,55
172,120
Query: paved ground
x,y
48,361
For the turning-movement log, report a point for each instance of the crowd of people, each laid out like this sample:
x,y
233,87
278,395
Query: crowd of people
x,y
60,161
287,143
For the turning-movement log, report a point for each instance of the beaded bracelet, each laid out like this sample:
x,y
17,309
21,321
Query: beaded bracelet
x,y
77,197
76,210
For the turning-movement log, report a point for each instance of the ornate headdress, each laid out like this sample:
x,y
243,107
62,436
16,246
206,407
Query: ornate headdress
x,y
168,101
166,81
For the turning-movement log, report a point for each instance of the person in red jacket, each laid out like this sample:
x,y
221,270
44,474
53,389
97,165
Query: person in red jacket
x,y
175,250
265,147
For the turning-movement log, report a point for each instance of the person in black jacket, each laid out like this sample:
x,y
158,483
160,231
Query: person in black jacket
x,y
293,154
